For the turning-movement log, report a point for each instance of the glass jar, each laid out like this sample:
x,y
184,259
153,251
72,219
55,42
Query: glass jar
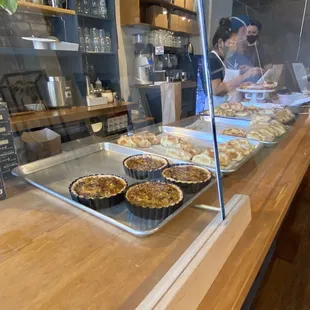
x,y
95,7
87,41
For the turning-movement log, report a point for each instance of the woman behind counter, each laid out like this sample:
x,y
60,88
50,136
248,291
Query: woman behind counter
x,y
225,77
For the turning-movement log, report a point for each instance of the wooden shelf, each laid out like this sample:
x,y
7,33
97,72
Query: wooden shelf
x,y
27,51
167,5
93,16
144,26
98,53
24,6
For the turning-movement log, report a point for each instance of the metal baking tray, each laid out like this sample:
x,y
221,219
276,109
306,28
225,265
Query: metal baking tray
x,y
244,118
204,125
54,175
201,140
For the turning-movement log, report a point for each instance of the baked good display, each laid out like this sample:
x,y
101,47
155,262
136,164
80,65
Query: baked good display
x,y
170,141
179,154
98,191
229,153
237,132
140,140
144,166
126,141
153,200
189,148
235,109
189,177
268,85
284,116
151,137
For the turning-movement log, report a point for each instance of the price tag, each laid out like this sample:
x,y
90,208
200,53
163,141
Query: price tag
x,y
2,188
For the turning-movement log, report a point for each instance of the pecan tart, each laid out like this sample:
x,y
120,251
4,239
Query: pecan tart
x,y
153,200
98,191
144,166
190,178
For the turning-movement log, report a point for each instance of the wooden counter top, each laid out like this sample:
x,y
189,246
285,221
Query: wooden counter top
x,y
52,117
55,256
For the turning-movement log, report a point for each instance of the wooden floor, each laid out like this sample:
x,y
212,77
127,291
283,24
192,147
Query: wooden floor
x,y
287,282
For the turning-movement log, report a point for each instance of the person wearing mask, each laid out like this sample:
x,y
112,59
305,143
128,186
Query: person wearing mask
x,y
225,77
257,55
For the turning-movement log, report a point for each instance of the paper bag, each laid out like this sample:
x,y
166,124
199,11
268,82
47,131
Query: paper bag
x,y
171,102
41,144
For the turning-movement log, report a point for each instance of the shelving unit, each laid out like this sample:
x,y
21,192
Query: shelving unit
x,y
133,14
63,24
145,26
167,5
30,7
81,15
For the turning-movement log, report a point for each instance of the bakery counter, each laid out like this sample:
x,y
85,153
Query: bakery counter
x,y
74,260
65,115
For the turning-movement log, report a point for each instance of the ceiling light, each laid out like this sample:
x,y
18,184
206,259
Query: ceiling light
x,y
165,11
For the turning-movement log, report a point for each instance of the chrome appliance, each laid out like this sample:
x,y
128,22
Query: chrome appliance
x,y
57,92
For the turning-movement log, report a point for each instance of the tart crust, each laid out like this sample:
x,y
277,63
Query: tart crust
x,y
98,191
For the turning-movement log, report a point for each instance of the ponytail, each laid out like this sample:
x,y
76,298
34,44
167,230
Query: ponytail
x,y
223,31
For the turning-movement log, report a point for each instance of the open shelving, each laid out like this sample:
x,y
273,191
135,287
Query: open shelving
x,y
30,7
167,5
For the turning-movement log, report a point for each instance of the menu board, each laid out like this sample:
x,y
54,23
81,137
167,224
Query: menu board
x,y
2,188
8,157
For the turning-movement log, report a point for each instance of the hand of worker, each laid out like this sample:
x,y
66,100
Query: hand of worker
x,y
253,72
244,68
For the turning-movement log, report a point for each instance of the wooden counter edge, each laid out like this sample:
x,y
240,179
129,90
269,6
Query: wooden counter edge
x,y
188,280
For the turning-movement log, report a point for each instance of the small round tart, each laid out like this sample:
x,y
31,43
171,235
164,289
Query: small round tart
x,y
98,191
189,177
144,166
153,200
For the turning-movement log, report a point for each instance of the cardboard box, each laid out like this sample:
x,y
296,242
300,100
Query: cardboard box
x,y
174,22
190,5
184,25
155,16
41,144
180,3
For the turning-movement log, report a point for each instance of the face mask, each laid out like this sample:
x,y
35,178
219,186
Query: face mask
x,y
252,39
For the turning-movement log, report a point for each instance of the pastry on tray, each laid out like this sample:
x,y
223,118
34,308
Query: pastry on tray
x,y
153,200
189,148
189,177
179,154
237,132
144,166
207,158
98,191
151,137
126,141
140,141
170,141
284,116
